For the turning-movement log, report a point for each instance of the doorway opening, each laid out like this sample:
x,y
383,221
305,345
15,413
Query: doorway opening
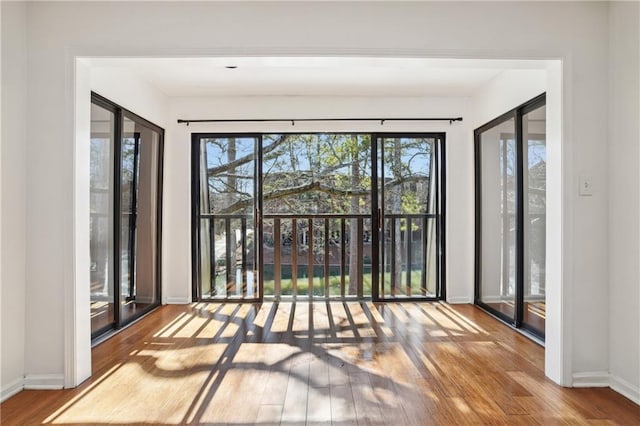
x,y
318,216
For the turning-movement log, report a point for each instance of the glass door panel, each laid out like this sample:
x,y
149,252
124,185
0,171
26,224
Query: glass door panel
x,y
101,218
227,224
535,156
125,216
302,209
139,183
497,187
409,188
317,214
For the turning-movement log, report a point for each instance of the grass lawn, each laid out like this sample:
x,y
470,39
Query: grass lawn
x,y
286,285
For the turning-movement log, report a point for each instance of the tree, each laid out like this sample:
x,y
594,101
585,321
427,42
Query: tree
x,y
315,174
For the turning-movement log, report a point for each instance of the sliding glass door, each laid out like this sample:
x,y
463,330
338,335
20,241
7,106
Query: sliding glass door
x,y
510,216
317,215
534,210
139,219
225,201
322,215
101,245
497,165
410,193
125,182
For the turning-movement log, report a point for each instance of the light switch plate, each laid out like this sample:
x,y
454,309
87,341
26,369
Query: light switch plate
x,y
586,186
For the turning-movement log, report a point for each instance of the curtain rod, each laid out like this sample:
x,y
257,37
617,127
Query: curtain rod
x,y
293,120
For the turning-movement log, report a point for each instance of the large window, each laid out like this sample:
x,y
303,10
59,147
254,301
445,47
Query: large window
x,y
322,215
126,183
510,216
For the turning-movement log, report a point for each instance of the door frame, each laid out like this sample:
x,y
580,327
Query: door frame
x,y
516,113
195,214
377,213
440,162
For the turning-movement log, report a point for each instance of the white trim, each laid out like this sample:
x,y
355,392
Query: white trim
x,y
625,388
15,386
70,301
561,357
560,234
635,390
11,389
184,300
567,218
77,340
44,381
498,299
602,379
591,379
459,300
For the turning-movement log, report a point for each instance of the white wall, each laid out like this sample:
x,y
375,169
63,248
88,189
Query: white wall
x,y
624,201
13,209
138,96
506,91
176,230
131,92
576,32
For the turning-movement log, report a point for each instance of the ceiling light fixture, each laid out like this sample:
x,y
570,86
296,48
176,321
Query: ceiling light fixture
x,y
231,67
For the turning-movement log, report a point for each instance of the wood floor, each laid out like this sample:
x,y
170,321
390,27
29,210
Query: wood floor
x,y
320,363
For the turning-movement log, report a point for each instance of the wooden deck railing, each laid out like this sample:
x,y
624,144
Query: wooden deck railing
x,y
318,255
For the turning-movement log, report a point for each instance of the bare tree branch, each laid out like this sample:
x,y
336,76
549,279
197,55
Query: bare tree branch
x,y
247,158
315,186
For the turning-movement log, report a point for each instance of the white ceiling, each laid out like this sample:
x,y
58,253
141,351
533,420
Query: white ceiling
x,y
326,76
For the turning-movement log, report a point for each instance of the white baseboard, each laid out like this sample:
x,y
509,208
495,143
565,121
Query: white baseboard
x,y
625,388
591,379
497,299
11,389
177,301
602,379
459,300
44,381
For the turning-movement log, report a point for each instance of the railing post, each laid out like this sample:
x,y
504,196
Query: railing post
x,y
408,236
277,244
212,256
231,282
343,255
393,255
294,257
243,236
382,246
360,258
326,257
423,278
310,257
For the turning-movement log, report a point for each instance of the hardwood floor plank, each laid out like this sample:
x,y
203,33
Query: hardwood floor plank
x,y
342,405
269,414
319,363
295,403
319,405
365,403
